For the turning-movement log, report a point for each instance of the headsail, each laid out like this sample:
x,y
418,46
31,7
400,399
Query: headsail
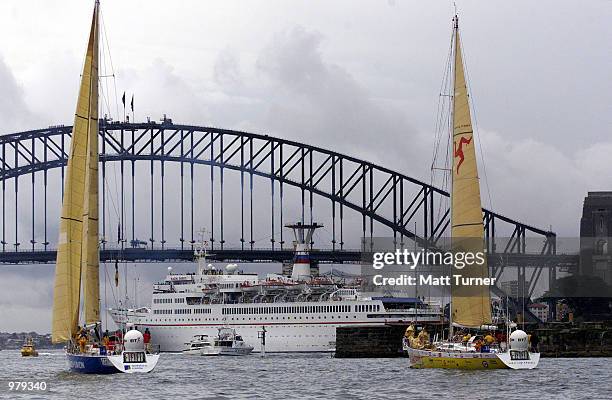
x,y
74,238
471,305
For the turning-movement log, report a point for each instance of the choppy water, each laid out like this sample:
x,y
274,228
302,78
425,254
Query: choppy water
x,y
307,377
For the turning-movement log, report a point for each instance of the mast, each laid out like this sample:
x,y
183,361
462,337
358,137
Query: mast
x,y
77,227
470,305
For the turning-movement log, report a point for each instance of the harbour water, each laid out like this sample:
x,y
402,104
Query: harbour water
x,y
305,376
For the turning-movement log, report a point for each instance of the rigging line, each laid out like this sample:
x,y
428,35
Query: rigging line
x,y
117,213
104,97
115,207
112,68
105,302
110,58
442,100
112,290
101,83
444,202
448,122
442,118
475,126
441,106
441,122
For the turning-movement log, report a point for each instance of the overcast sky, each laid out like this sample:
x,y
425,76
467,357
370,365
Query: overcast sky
x,y
361,77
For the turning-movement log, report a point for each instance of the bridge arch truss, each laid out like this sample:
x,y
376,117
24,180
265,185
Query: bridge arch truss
x,y
387,203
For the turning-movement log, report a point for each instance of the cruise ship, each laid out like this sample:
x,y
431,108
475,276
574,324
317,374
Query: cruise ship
x,y
300,312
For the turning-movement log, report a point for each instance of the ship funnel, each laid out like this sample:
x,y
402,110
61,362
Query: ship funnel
x,y
303,246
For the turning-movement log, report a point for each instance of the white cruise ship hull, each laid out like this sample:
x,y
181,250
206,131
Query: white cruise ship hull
x,y
298,316
279,338
300,332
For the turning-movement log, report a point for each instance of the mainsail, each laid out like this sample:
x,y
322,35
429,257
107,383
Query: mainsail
x,y
471,305
77,249
91,253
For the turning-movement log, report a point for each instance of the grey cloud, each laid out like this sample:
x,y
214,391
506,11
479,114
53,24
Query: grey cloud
x,y
14,112
321,103
226,70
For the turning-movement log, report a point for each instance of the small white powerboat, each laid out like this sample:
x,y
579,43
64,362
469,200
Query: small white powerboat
x,y
198,343
227,343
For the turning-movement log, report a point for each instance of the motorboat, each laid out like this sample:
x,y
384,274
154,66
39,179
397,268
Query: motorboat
x,y
28,349
196,344
227,343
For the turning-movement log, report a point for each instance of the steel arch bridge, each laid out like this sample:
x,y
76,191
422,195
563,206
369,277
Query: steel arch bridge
x,y
362,200
385,202
377,194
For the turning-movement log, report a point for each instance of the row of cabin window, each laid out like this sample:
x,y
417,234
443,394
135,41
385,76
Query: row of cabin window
x,y
284,310
367,308
293,309
184,311
163,301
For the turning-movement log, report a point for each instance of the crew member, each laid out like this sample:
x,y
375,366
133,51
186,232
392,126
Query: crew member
x,y
409,336
119,343
535,341
77,334
111,344
423,338
147,339
82,343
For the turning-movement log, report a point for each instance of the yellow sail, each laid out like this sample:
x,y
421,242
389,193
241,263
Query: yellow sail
x,y
67,287
90,252
471,305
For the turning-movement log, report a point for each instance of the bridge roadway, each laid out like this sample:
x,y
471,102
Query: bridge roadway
x,y
323,256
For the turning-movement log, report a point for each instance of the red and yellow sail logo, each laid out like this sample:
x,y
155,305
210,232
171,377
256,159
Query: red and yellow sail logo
x,y
458,150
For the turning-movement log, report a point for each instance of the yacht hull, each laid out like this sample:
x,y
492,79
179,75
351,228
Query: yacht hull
x,y
91,364
420,358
